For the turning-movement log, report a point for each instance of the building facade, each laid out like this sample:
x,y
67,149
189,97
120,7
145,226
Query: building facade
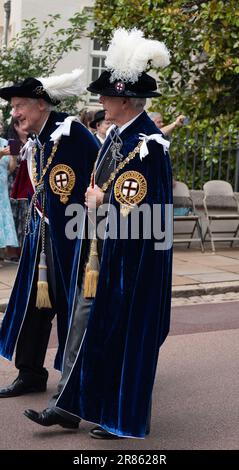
x,y
90,57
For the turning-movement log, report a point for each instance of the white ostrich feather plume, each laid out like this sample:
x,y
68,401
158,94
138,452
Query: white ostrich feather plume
x,y
129,54
63,86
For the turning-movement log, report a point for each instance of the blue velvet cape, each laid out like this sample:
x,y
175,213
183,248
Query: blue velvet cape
x,y
112,379
78,151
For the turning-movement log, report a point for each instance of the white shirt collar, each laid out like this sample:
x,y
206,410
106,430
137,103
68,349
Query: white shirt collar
x,y
122,128
42,127
100,138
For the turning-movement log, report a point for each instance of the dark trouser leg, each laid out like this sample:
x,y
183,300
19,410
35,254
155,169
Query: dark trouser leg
x,y
34,336
77,329
147,430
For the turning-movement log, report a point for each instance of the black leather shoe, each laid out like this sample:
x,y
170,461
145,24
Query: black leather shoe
x,y
49,417
100,433
20,387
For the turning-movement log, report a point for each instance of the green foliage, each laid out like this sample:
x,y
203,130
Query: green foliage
x,y
202,80
70,106
199,156
35,52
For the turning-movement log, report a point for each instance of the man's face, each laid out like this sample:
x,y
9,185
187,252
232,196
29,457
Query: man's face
x,y
114,107
29,112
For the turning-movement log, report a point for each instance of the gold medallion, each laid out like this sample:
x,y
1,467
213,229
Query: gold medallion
x,y
62,181
130,189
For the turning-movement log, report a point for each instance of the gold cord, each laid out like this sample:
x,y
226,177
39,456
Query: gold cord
x,y
121,165
48,163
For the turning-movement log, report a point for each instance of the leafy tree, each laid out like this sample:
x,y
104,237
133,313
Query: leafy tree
x,y
36,52
203,77
202,80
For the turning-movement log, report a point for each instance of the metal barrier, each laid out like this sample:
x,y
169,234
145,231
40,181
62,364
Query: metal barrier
x,y
197,158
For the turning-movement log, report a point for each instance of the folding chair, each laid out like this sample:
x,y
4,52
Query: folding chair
x,y
221,206
185,217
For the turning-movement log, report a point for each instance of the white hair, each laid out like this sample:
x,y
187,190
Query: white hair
x,y
48,106
138,103
155,114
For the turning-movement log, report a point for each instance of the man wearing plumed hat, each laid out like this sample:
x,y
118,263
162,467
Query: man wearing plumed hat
x,y
127,281
55,170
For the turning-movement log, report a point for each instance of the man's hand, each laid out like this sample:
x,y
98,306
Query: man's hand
x,y
93,197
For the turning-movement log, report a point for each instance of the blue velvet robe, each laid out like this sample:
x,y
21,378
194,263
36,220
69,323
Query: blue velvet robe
x,y
78,151
112,379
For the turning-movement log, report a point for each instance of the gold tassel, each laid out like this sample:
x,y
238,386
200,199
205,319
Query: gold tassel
x,y
92,271
43,299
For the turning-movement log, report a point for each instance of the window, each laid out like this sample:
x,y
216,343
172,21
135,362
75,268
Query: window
x,y
97,64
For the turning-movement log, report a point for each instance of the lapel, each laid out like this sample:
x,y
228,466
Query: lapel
x,y
103,152
132,130
50,125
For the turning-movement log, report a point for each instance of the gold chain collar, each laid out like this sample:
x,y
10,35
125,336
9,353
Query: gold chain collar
x,y
121,165
48,163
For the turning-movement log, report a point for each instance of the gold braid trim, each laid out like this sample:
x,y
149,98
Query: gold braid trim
x,y
48,163
42,299
121,165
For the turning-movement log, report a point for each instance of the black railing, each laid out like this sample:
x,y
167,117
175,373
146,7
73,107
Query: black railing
x,y
197,158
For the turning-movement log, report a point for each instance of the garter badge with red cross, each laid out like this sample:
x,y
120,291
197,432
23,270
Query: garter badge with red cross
x,y
62,181
130,189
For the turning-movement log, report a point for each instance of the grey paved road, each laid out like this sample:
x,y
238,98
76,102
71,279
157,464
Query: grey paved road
x,y
196,398
204,317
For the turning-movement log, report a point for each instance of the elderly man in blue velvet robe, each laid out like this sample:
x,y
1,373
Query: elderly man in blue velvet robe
x,y
111,380
54,173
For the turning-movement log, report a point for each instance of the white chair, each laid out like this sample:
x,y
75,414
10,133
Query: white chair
x,y
221,208
185,217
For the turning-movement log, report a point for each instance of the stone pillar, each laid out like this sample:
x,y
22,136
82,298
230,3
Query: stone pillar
x,y
7,12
